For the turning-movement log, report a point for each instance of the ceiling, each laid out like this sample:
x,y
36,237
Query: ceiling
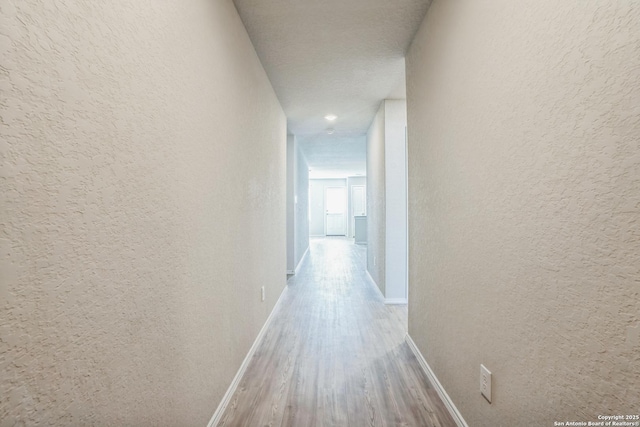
x,y
339,57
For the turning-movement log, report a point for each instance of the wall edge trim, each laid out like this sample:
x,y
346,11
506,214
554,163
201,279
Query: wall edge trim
x,y
375,285
226,399
304,256
451,407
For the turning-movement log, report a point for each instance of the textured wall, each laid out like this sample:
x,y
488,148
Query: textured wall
x,y
524,180
143,205
302,205
376,200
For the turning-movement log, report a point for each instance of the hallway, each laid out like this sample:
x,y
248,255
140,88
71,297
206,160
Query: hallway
x,y
334,354
157,172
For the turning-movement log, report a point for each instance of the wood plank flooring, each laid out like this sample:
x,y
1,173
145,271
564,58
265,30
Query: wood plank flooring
x,y
335,355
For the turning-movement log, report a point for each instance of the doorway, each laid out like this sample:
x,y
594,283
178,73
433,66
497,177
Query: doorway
x,y
358,204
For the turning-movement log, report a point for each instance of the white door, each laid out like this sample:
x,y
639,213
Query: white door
x,y
358,204
335,203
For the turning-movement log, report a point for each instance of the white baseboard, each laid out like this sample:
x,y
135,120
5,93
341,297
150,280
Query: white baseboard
x,y
226,399
291,272
395,301
451,407
299,266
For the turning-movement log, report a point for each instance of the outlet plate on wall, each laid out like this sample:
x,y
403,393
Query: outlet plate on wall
x,y
485,382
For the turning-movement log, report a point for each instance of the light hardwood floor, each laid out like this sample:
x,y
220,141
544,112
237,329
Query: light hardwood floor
x,y
334,354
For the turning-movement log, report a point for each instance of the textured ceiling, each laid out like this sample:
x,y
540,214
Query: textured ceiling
x,y
335,157
334,56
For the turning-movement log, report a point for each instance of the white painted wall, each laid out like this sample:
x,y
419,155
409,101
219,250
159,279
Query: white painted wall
x,y
143,207
395,121
524,180
376,194
316,198
386,201
301,205
298,204
291,204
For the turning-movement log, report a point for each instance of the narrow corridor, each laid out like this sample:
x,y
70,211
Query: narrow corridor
x,y
334,354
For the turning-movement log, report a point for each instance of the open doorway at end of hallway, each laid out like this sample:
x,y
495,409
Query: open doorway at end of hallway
x,y
334,204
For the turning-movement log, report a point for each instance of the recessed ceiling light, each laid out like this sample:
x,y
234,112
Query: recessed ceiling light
x,y
330,131
331,117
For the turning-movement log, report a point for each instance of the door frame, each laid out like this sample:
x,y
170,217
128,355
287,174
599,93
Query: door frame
x,y
352,214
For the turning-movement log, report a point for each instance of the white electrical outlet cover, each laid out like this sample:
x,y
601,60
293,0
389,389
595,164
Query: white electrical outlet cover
x,y
485,382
